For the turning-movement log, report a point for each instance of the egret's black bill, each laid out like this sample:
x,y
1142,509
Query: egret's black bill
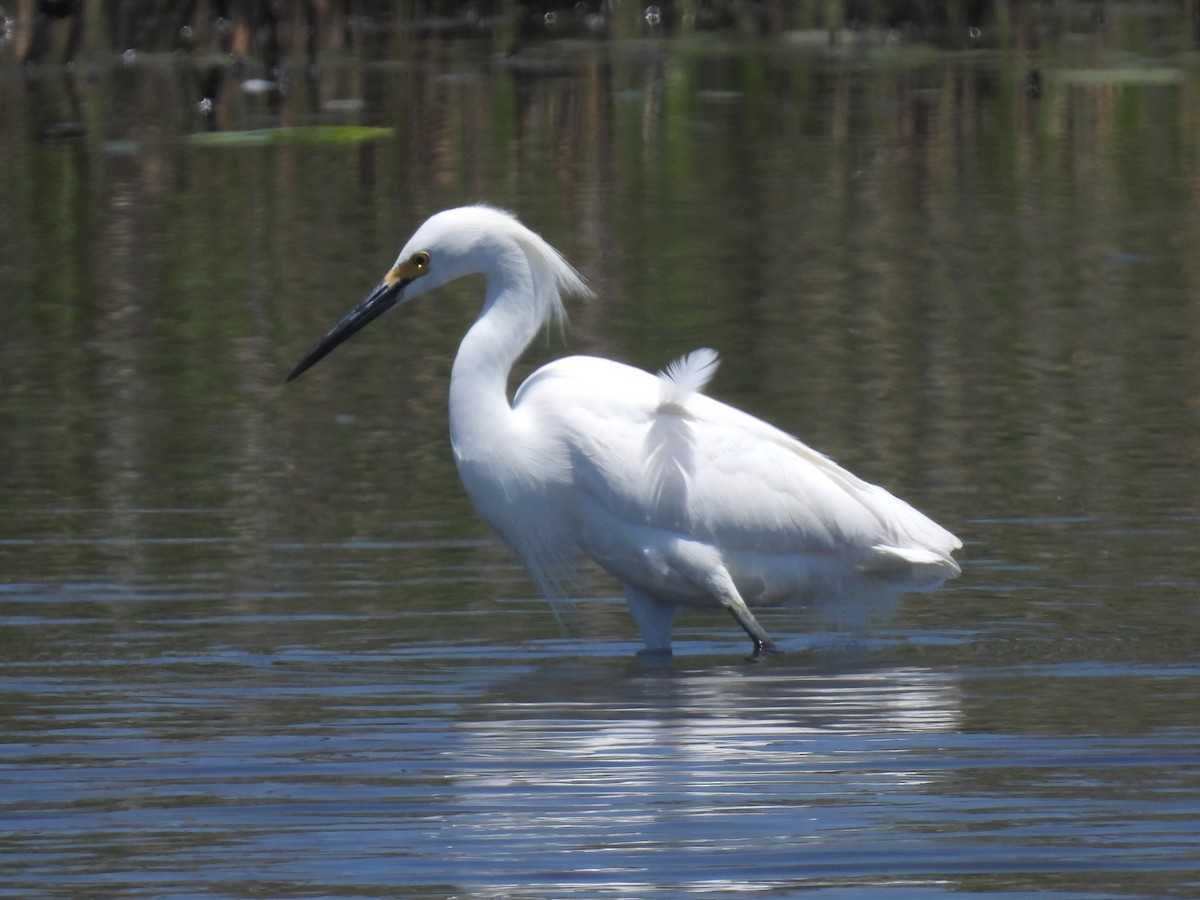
x,y
379,301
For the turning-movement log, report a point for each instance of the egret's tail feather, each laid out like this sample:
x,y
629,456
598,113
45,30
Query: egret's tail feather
x,y
923,568
687,375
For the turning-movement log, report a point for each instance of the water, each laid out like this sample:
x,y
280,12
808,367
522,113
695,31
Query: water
x,y
253,641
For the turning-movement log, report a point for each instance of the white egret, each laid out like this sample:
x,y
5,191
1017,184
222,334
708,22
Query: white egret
x,y
685,500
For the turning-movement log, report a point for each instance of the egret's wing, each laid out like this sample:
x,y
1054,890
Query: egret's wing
x,y
761,489
696,465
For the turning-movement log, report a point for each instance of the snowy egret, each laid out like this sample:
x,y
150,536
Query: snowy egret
x,y
685,500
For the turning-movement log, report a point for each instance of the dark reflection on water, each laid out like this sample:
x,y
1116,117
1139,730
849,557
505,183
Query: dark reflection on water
x,y
253,642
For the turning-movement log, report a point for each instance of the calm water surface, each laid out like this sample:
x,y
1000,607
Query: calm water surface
x,y
253,642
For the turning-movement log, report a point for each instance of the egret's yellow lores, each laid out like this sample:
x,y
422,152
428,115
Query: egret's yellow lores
x,y
686,501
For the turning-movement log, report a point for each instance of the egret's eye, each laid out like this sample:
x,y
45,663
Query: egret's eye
x,y
420,260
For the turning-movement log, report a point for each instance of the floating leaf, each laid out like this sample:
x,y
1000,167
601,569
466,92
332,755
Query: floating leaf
x,y
1141,75
296,134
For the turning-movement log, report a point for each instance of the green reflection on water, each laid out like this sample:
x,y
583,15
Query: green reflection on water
x,y
980,297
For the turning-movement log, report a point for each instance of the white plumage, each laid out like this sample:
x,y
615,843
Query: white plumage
x,y
685,500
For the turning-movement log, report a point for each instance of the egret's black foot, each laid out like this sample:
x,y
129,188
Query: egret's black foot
x,y
763,649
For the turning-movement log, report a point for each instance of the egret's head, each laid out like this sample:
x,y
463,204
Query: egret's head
x,y
449,245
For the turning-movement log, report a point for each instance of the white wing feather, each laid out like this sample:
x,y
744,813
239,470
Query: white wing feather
x,y
655,452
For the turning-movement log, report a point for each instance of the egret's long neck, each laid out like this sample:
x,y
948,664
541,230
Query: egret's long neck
x,y
480,413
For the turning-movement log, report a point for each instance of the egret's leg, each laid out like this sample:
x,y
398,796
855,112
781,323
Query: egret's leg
x,y
654,619
702,565
733,602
